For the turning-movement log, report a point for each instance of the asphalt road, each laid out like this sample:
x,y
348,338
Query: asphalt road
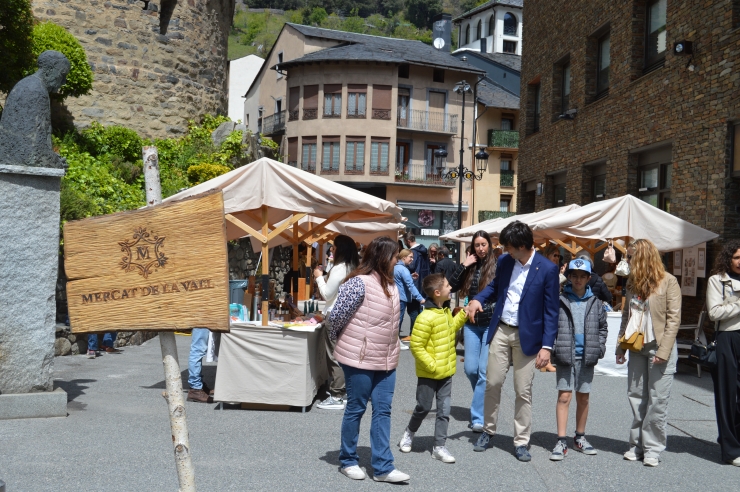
x,y
117,437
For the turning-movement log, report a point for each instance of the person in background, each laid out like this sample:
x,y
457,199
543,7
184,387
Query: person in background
x,y
419,269
364,322
445,264
598,287
552,253
522,330
406,288
581,342
433,348
476,271
651,290
346,259
109,339
199,391
433,254
723,306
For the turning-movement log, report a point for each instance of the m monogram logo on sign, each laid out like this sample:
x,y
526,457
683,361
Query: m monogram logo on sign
x,y
138,256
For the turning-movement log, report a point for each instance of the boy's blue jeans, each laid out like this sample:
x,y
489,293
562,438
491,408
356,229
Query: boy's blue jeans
x,y
476,364
108,339
400,323
198,348
361,386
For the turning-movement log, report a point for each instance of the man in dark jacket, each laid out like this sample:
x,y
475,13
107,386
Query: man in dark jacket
x,y
598,287
419,270
445,264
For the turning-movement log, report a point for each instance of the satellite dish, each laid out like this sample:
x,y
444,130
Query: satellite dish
x,y
439,43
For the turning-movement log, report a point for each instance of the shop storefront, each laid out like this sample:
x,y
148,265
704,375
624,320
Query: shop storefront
x,y
428,221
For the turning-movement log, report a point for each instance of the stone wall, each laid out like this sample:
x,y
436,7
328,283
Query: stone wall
x,y
689,103
243,261
68,343
150,79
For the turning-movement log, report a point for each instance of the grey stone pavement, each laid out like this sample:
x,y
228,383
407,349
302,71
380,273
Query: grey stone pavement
x,y
117,437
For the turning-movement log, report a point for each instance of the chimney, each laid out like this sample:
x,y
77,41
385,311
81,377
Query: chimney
x,y
442,32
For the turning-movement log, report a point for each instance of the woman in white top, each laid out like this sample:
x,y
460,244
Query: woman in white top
x,y
346,259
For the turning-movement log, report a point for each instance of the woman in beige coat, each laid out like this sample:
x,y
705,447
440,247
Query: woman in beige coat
x,y
654,296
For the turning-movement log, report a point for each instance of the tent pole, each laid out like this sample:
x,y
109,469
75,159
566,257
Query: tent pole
x,y
294,284
265,270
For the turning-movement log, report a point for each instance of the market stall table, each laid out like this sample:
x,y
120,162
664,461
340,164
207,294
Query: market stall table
x,y
608,365
270,365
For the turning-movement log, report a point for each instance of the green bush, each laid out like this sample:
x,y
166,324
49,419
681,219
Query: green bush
x,y
200,173
49,36
114,140
16,26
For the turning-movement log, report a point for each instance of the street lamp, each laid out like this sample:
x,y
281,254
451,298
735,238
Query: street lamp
x,y
462,173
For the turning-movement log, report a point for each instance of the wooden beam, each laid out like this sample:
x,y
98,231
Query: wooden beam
x,y
285,225
270,224
567,247
320,227
245,228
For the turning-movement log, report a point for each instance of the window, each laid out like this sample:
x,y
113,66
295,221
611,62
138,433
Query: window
x,y
478,30
309,154
507,123
505,204
332,100
565,89
510,24
403,71
279,62
330,155
355,158
404,107
379,149
598,187
467,34
559,195
510,47
506,172
438,75
293,151
655,185
602,70
735,149
278,105
310,102
356,100
294,98
259,120
655,34
490,25
382,102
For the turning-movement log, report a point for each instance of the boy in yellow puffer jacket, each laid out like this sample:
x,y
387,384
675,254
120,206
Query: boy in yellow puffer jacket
x,y
433,346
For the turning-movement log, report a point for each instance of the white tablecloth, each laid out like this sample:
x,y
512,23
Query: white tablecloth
x,y
270,365
608,365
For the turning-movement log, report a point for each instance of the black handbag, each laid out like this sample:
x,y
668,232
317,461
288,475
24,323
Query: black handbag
x,y
704,355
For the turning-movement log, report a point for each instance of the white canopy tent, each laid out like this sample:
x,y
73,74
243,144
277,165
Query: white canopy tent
x,y
626,218
267,199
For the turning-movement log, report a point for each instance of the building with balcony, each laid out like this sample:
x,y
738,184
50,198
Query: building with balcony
x,y
369,112
493,27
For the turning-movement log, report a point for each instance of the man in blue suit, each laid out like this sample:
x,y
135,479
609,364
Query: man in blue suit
x,y
526,290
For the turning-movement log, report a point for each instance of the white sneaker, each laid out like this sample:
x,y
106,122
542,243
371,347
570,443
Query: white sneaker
x,y
647,461
353,472
331,403
404,346
632,455
735,462
406,440
442,454
392,477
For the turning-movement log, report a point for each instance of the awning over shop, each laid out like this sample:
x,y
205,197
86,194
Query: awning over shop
x,y
445,207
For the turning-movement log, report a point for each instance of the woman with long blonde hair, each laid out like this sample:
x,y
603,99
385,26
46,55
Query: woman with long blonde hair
x,y
653,310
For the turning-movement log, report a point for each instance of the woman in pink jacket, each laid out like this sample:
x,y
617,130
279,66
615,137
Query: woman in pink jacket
x,y
365,321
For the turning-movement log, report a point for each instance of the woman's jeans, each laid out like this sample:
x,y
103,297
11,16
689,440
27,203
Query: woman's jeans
x,y
109,338
400,323
649,388
361,386
476,364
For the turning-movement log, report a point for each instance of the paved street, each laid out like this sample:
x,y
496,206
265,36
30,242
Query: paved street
x,y
116,437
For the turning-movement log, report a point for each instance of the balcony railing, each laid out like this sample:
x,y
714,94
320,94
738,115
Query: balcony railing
x,y
505,139
309,167
420,173
381,114
329,169
274,123
427,121
357,169
310,114
484,215
293,115
507,178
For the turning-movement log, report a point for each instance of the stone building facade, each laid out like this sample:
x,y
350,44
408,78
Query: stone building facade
x,y
154,68
612,108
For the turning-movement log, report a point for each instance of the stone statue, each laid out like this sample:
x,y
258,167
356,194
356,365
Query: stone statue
x,y
25,126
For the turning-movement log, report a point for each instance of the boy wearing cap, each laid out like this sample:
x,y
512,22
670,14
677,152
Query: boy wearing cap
x,y
580,343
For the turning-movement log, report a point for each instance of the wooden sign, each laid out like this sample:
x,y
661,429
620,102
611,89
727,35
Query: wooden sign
x,y
159,268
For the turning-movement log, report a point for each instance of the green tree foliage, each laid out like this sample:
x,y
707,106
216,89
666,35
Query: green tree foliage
x,y
16,25
421,12
49,36
317,16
